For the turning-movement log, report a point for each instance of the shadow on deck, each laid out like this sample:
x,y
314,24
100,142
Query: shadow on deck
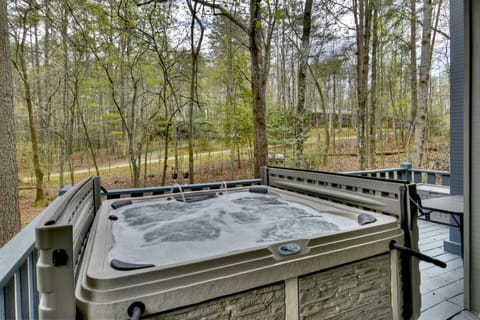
x,y
441,289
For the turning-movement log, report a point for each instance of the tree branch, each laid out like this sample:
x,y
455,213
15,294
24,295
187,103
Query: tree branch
x,y
139,4
224,12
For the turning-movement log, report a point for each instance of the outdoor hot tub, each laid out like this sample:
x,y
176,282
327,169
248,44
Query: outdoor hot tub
x,y
290,248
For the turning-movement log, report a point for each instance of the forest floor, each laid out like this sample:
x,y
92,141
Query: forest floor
x,y
210,167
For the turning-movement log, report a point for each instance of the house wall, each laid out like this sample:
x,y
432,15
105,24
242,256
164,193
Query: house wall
x,y
457,71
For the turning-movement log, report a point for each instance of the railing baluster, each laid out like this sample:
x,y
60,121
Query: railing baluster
x,y
10,299
417,177
25,292
394,175
2,305
446,179
431,178
18,294
32,287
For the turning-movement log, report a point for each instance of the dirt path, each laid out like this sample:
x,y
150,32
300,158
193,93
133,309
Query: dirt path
x,y
153,159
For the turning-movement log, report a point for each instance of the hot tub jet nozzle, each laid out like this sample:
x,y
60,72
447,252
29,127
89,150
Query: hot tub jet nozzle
x,y
135,310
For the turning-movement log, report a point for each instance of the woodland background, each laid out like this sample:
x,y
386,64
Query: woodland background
x,y
136,90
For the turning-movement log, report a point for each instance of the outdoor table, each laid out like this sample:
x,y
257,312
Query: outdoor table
x,y
452,205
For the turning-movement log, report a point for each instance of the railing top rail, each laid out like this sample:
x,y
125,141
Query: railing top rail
x,y
397,169
375,170
229,184
381,195
430,171
406,172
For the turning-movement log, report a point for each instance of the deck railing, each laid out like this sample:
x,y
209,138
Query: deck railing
x,y
18,288
18,285
407,173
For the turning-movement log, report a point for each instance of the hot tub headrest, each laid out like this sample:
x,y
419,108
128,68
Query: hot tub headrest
x,y
126,266
365,218
195,198
120,203
258,189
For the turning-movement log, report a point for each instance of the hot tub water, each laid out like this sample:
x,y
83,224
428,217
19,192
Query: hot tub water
x,y
165,232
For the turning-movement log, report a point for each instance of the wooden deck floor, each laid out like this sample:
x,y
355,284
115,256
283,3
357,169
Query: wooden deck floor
x,y
441,289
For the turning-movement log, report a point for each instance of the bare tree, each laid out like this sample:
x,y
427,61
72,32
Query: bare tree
x,y
20,63
68,107
302,80
372,128
168,60
259,36
424,82
424,94
362,11
9,210
413,71
124,78
195,52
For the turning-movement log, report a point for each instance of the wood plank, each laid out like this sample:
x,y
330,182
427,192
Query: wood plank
x,y
441,311
441,289
433,237
458,299
465,315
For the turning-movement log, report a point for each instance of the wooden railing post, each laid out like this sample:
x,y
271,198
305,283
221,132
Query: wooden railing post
x,y
405,174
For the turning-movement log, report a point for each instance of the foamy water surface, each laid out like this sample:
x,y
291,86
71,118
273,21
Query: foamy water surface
x,y
164,232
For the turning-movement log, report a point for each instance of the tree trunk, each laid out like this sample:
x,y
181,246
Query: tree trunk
x,y
259,80
33,133
323,103
259,64
231,99
373,93
165,154
302,79
424,81
9,210
135,154
85,130
166,144
69,110
146,162
362,16
413,73
195,51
